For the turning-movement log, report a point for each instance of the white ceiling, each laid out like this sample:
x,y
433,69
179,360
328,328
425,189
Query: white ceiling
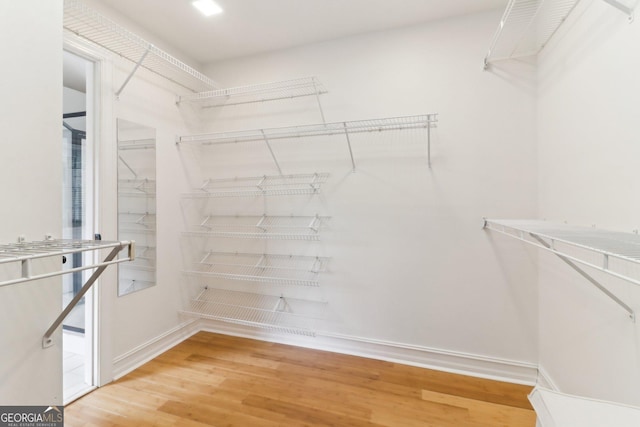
x,y
253,26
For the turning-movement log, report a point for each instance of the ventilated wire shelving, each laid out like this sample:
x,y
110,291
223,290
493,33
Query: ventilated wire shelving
x,y
290,227
612,252
137,144
274,313
346,128
527,26
263,268
272,91
143,187
100,30
276,185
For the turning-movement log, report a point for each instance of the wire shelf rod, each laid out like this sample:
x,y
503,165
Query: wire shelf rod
x,y
278,185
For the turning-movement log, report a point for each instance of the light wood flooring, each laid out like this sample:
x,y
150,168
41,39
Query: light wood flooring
x,y
218,380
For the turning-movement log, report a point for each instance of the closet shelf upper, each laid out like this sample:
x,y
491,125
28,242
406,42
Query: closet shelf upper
x,y
264,311
337,128
96,28
263,268
286,89
526,27
274,185
612,252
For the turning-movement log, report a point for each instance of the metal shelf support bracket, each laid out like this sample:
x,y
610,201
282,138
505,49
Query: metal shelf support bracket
x,y
135,68
621,7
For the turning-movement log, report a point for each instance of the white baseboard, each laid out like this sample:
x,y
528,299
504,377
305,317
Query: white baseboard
x,y
143,353
545,380
424,357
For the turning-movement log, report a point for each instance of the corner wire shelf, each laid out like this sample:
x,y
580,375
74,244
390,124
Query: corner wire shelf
x,y
276,185
279,314
347,128
611,252
272,91
22,254
260,227
100,30
527,26
263,268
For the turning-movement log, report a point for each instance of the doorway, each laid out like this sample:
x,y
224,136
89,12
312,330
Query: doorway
x,y
78,216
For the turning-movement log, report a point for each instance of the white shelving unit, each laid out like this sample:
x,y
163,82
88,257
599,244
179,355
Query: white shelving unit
x,y
260,227
277,185
263,92
276,313
20,265
527,26
89,24
262,268
346,128
612,252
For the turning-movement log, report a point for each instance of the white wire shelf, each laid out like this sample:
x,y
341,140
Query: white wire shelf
x,y
100,30
23,253
347,128
337,128
280,314
263,268
260,227
272,91
612,252
138,144
137,219
277,185
526,27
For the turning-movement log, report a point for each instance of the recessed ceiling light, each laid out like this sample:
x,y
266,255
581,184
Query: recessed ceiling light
x,y
207,7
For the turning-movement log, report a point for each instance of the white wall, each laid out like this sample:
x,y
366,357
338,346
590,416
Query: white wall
x,y
589,175
31,173
410,263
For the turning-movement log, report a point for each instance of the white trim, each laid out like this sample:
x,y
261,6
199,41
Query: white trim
x,y
545,380
423,357
131,360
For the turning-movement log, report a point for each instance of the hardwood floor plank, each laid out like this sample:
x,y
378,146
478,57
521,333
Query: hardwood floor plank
x,y
217,380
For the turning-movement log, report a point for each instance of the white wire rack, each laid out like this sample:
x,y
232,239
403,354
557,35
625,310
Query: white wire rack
x,y
22,255
526,27
98,29
277,185
137,144
137,187
272,91
274,313
263,268
260,227
426,121
612,252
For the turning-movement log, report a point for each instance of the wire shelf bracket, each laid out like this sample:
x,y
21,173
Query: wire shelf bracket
x,y
89,24
562,240
346,128
621,6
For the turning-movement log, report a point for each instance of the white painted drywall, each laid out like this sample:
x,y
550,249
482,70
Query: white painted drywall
x,y
589,175
31,173
410,263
